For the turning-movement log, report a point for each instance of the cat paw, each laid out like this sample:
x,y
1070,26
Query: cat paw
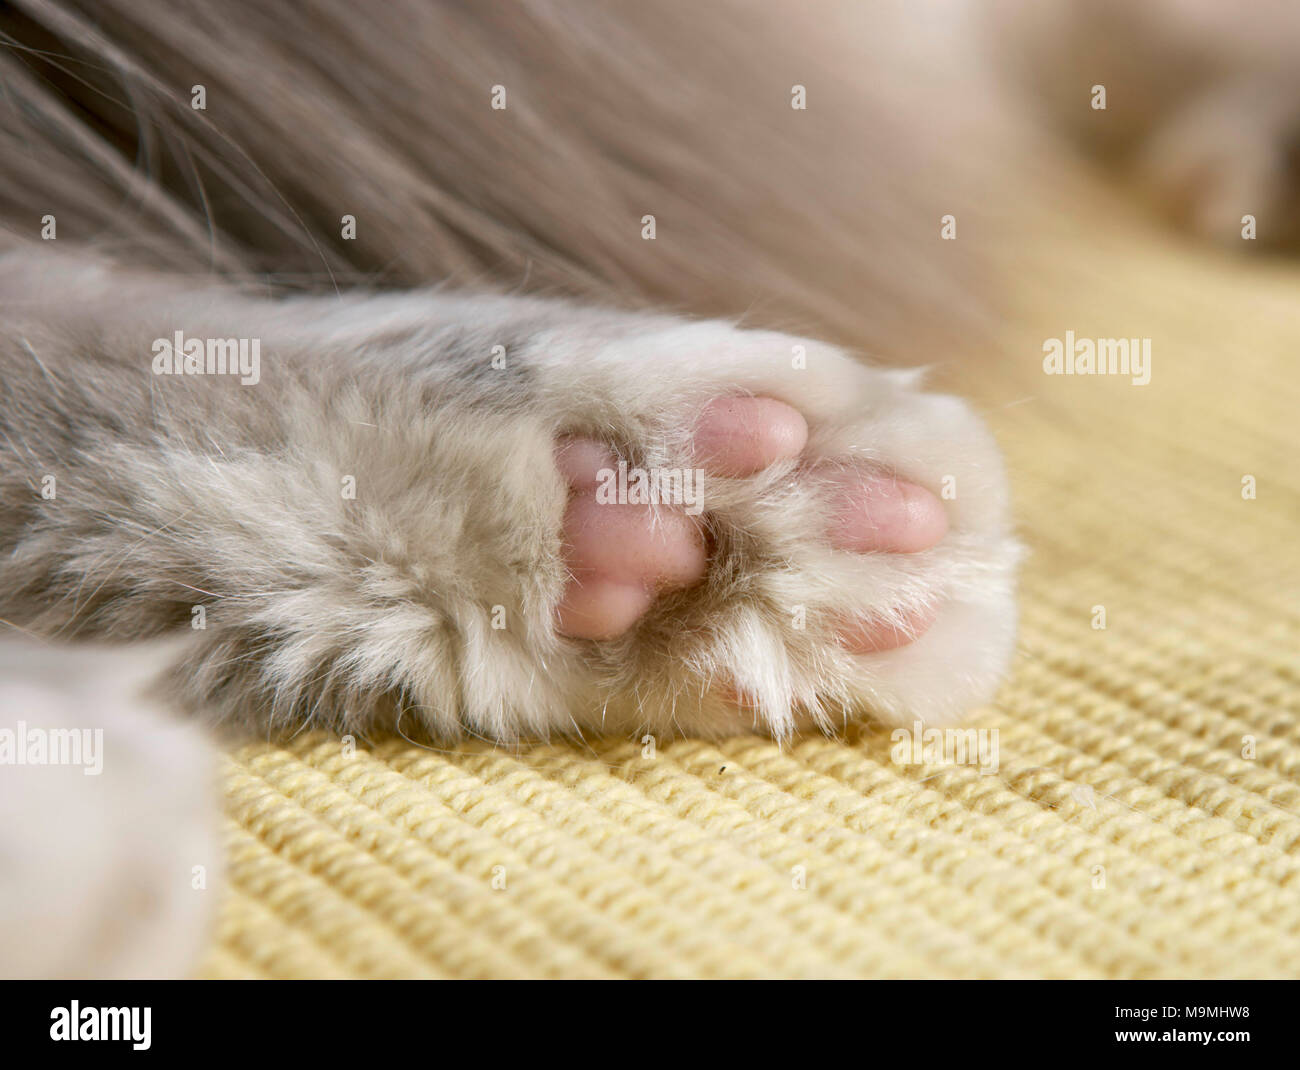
x,y
766,534
835,543
118,838
1231,153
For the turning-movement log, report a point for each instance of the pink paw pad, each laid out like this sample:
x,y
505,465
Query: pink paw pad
x,y
622,556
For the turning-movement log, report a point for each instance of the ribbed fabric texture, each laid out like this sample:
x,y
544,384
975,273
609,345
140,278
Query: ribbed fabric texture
x,y
1144,817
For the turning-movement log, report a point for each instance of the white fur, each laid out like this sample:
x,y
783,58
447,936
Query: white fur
x,y
100,869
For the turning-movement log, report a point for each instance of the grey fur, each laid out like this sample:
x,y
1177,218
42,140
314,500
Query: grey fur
x,y
177,491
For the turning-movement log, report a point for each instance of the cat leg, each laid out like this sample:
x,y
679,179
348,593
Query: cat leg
x,y
394,517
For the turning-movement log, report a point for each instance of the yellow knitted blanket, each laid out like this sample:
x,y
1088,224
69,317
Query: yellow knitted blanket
x,y
1143,819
